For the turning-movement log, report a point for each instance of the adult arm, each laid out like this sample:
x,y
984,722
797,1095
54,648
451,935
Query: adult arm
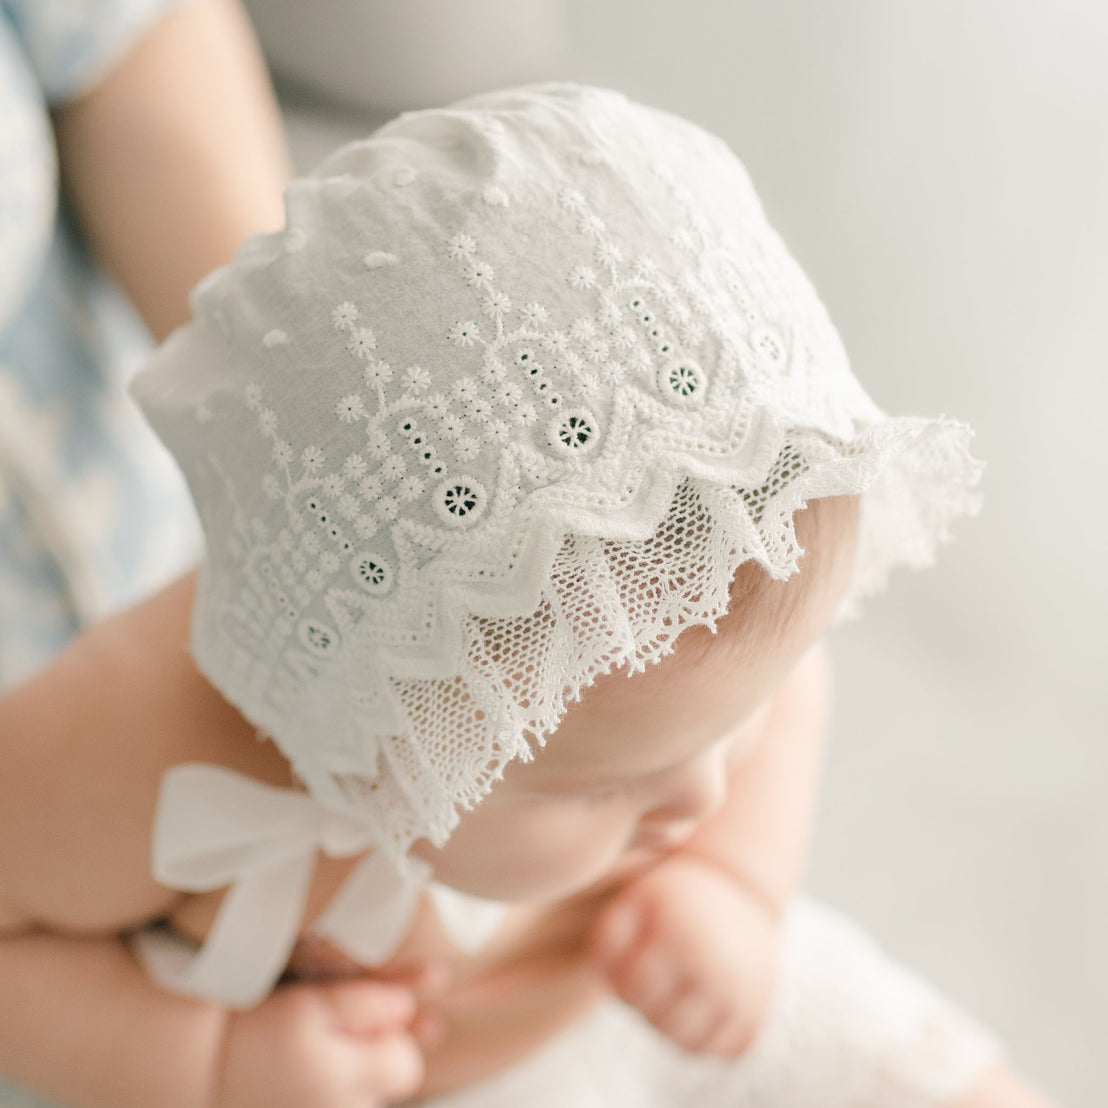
x,y
176,156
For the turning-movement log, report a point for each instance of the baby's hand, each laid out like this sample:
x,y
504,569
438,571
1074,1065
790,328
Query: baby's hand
x,y
344,1044
693,951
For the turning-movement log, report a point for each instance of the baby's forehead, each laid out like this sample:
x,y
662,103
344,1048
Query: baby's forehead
x,y
629,724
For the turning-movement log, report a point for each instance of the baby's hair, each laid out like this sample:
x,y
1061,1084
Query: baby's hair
x,y
825,530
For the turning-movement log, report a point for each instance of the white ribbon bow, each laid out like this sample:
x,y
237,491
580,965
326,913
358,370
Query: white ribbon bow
x,y
215,827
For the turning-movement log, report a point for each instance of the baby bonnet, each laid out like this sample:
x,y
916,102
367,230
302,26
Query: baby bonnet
x,y
503,407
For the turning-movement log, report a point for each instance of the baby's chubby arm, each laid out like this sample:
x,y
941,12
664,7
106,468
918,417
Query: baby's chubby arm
x,y
692,942
80,1023
83,748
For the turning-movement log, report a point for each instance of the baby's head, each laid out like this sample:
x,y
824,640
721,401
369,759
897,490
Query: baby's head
x,y
525,397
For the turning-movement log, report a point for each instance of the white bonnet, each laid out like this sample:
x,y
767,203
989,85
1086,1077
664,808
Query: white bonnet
x,y
503,407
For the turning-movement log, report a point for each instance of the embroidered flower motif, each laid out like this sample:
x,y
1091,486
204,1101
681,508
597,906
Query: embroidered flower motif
x,y
271,487
496,303
464,333
467,448
370,487
314,580
354,467
416,380
267,422
328,562
332,484
282,453
509,393
276,337
683,379
362,342
372,572
393,467
320,639
610,313
767,344
478,273
350,408
623,338
533,314
377,442
572,362
574,432
492,365
365,526
460,501
555,342
582,277
348,506
252,397
378,373
465,390
410,488
436,404
591,225
572,200
388,507
453,427
344,315
479,409
608,254
581,330
312,459
460,245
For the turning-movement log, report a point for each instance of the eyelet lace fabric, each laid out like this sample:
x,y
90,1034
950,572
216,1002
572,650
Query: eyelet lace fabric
x,y
503,407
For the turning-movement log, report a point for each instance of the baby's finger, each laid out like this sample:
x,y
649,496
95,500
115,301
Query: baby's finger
x,y
649,981
690,1020
392,1068
363,1006
616,933
733,1038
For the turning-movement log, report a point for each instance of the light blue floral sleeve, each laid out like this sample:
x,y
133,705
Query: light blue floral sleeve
x,y
92,513
71,44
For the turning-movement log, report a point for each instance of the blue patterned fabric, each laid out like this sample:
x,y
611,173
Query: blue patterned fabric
x,y
92,513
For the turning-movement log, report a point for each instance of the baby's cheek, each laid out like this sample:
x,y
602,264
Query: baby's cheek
x,y
547,853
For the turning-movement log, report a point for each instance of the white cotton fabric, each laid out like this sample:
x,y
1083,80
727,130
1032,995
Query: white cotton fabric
x,y
502,408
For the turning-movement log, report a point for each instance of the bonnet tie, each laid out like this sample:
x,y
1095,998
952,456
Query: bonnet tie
x,y
215,827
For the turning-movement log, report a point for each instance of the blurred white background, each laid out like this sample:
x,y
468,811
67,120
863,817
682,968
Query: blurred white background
x,y
941,171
